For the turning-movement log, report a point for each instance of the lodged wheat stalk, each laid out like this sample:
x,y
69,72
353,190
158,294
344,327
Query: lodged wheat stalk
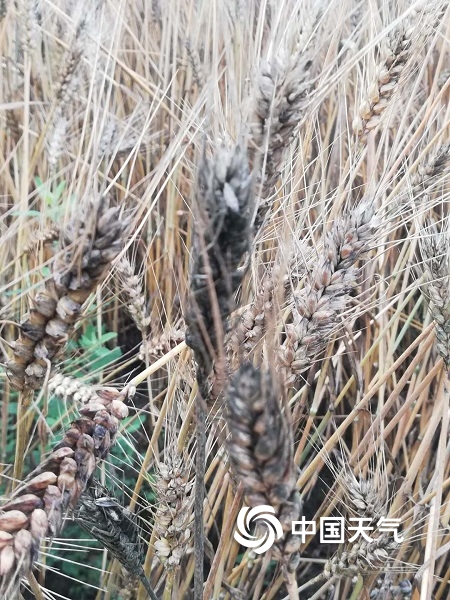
x,y
36,508
76,272
261,450
327,290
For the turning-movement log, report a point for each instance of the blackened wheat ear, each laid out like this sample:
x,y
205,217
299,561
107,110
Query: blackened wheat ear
x,y
221,238
261,450
116,528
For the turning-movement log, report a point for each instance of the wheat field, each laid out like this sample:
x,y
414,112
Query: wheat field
x,y
224,299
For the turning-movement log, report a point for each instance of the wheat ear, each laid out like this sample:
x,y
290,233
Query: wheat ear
x,y
36,508
173,512
133,292
396,53
435,247
367,499
115,527
76,273
261,450
284,84
327,290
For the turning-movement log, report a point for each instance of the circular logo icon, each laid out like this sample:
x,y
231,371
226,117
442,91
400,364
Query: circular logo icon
x,y
273,532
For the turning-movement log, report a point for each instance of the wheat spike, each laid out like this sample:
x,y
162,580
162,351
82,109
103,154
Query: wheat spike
x,y
133,292
327,290
115,527
174,510
38,505
284,83
261,449
76,272
435,247
222,239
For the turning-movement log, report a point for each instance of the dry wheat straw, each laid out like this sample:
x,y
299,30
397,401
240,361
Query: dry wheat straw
x,y
261,450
